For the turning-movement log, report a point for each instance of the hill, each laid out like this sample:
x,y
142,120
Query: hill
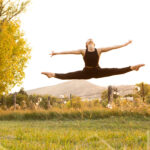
x,y
80,88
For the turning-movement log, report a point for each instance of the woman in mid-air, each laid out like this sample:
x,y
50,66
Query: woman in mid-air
x,y
92,68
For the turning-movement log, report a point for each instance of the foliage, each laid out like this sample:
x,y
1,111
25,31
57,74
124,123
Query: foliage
x,y
14,54
104,98
144,90
148,98
10,9
22,91
75,102
14,50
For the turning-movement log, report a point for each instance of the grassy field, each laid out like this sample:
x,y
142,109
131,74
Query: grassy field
x,y
115,132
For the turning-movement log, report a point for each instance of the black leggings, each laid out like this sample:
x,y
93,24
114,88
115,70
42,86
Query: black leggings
x,y
88,73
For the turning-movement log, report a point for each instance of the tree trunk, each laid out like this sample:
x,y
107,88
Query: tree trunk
x,y
110,94
14,99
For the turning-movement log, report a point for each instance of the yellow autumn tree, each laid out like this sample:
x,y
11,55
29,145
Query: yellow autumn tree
x,y
14,50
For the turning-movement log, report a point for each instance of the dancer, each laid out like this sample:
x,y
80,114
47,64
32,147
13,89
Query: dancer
x,y
92,68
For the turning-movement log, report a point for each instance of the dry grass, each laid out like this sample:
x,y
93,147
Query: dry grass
x,y
120,108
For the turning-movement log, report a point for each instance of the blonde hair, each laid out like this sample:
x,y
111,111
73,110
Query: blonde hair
x,y
89,41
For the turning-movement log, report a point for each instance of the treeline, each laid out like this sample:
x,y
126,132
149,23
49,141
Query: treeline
x,y
142,92
22,101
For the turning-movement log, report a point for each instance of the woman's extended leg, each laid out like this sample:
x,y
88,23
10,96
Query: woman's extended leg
x,y
70,75
105,72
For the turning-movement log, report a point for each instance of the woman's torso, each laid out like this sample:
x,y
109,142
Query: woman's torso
x,y
91,58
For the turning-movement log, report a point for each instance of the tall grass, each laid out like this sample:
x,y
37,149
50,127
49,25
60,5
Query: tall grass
x,y
120,108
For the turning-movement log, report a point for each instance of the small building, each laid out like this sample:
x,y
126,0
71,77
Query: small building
x,y
127,98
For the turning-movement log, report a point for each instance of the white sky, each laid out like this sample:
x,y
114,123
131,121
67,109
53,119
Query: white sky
x,y
64,25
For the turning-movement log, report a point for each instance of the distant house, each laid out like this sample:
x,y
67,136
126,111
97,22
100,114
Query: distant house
x,y
90,99
61,96
127,98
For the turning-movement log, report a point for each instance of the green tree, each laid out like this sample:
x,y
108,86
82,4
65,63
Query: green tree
x,y
104,95
22,91
75,102
144,90
148,98
104,98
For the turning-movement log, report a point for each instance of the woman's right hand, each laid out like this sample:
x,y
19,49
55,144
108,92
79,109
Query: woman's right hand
x,y
130,41
52,54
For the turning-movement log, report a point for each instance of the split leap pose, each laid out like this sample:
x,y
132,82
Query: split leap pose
x,y
92,69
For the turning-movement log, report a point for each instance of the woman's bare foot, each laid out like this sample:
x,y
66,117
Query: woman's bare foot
x,y
136,67
48,74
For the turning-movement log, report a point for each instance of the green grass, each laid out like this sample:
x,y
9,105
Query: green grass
x,y
115,132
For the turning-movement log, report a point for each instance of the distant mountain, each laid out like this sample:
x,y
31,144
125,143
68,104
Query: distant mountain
x,y
81,88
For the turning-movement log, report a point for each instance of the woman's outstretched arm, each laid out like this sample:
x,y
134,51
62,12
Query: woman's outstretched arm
x,y
80,51
113,47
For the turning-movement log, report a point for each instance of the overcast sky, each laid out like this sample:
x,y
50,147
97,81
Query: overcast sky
x,y
64,25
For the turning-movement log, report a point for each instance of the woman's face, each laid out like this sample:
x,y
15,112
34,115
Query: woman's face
x,y
91,45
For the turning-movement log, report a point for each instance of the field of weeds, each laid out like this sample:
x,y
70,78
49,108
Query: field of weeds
x,y
114,133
